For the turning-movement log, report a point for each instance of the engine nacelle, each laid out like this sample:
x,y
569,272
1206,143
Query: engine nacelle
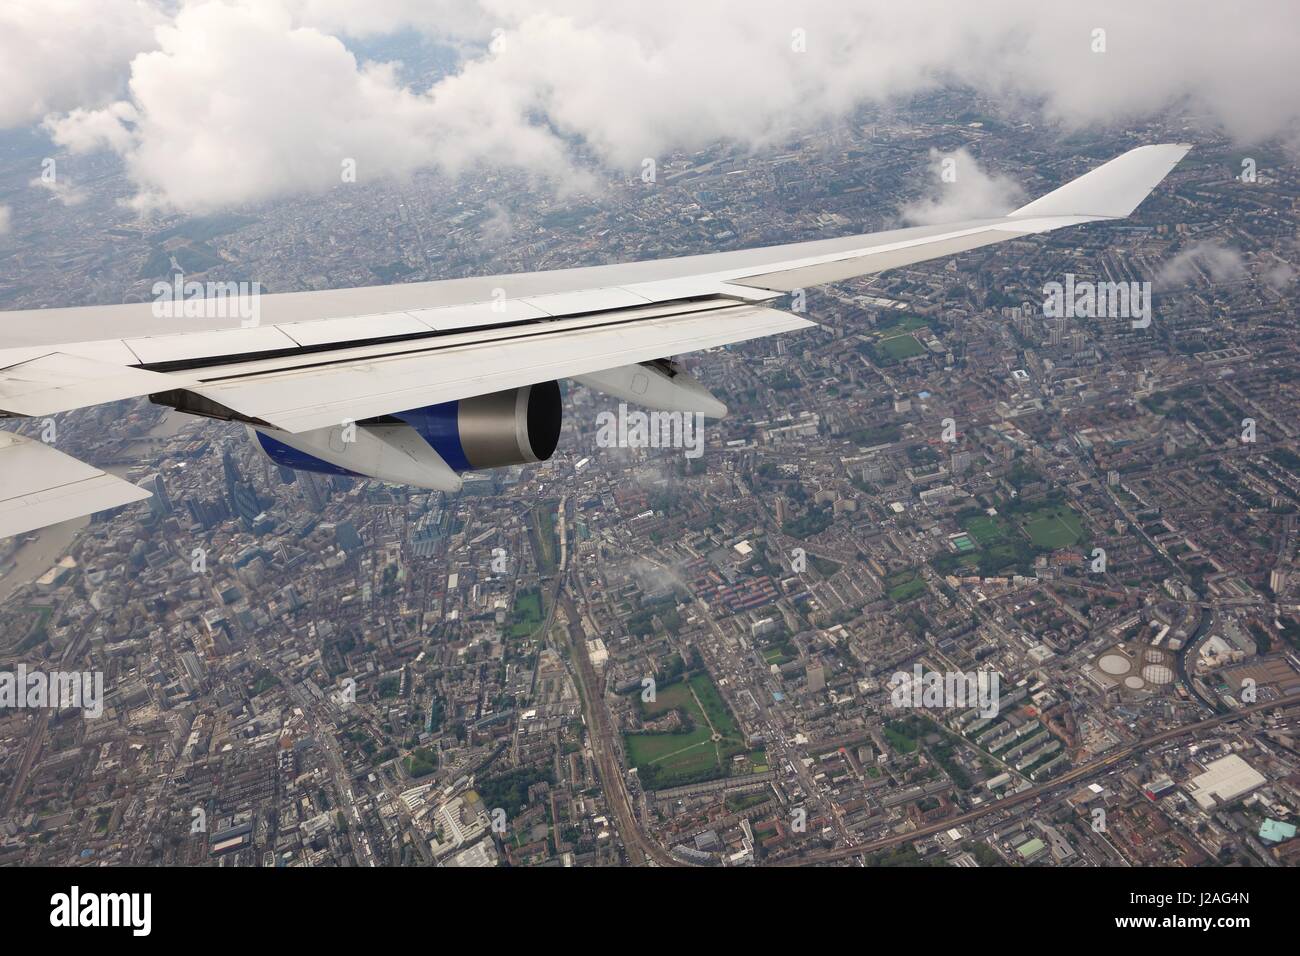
x,y
428,447
514,427
388,451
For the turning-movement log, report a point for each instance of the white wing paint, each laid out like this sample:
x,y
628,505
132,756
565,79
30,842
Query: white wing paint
x,y
40,486
317,358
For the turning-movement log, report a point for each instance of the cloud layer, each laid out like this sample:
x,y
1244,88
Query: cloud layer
x,y
234,102
58,55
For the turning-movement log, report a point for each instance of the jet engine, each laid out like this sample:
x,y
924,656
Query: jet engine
x,y
514,427
428,447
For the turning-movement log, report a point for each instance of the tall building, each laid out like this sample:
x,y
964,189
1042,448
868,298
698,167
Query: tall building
x,y
207,512
243,499
316,489
159,504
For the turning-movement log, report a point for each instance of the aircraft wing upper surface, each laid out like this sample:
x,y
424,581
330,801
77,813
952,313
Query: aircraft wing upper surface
x,y
315,358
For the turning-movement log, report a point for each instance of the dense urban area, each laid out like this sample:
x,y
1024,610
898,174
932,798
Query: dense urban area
x,y
657,656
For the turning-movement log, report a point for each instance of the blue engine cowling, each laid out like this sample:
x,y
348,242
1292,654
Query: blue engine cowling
x,y
514,427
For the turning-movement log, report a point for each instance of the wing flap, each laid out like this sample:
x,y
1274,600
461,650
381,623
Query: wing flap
x,y
40,486
303,399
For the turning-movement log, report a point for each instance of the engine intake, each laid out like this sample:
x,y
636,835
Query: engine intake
x,y
514,427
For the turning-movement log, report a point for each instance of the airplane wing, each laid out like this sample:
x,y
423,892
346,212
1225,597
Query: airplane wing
x,y
303,361
40,486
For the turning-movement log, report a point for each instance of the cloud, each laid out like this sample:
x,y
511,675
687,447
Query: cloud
x,y
201,132
963,191
243,101
1280,276
442,19
4,220
58,55
61,189
653,576
87,130
1212,260
498,227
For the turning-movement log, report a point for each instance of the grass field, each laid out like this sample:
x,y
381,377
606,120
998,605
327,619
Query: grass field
x,y
714,706
1053,528
527,614
669,760
546,545
987,529
904,586
774,655
669,698
674,753
900,347
896,324
899,739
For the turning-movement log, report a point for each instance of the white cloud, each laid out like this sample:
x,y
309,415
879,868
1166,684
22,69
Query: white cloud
x,y
203,130
1214,260
1280,276
4,220
61,189
629,77
85,130
498,228
443,19
963,191
249,100
58,55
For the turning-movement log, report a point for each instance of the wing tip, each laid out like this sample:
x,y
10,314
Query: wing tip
x,y
1114,189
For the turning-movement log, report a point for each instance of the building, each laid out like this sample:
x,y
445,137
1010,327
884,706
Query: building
x,y
243,499
1223,781
159,504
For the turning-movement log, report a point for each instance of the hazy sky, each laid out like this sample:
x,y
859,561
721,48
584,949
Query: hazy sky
x,y
213,103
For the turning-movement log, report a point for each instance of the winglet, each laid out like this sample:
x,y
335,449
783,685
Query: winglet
x,y
1112,190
